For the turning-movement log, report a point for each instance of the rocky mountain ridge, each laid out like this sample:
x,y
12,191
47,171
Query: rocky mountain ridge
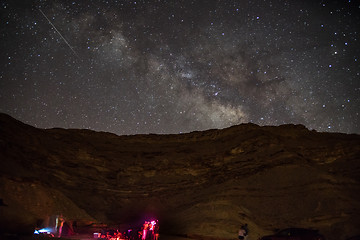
x,y
197,184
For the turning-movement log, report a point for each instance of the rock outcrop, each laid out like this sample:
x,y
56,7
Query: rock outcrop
x,y
197,184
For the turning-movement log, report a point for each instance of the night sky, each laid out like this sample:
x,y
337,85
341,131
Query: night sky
x,y
131,67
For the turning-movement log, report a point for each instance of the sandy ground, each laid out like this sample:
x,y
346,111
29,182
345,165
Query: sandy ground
x,y
90,237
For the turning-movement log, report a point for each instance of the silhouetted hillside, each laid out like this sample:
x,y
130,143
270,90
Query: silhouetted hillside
x,y
197,184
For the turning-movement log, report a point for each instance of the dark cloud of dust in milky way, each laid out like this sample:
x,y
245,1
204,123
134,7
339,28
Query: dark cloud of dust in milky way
x,y
132,67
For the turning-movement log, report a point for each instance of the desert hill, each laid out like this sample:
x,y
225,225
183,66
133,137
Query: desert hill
x,y
199,184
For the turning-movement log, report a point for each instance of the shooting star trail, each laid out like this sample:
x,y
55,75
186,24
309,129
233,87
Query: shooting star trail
x,y
59,33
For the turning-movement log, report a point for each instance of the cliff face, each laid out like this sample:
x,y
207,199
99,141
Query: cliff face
x,y
201,183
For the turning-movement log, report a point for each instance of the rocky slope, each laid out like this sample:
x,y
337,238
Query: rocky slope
x,y
197,184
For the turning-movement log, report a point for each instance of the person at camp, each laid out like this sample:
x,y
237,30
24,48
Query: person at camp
x,y
59,224
243,232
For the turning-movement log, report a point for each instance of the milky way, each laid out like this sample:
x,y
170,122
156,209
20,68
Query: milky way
x,y
131,67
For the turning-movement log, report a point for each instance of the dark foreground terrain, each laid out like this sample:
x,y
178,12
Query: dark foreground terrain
x,y
200,184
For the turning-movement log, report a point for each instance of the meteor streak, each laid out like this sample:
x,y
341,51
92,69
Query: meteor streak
x,y
59,33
